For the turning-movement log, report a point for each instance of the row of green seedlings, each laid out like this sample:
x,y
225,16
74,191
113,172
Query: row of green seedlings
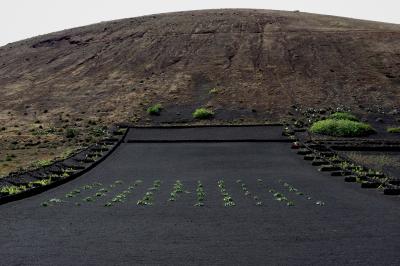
x,y
279,196
78,191
248,193
101,192
292,189
148,198
176,190
201,195
228,201
121,197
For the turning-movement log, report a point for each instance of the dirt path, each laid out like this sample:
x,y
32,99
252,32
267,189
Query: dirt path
x,y
331,222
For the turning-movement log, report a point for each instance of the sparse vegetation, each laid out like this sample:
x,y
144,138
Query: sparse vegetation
x,y
228,201
71,133
176,190
155,109
11,190
341,128
203,113
343,116
378,161
148,197
393,129
247,192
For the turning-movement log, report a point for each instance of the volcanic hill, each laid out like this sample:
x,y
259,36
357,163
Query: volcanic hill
x,y
244,64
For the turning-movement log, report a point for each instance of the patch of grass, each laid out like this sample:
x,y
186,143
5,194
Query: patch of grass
x,y
9,157
12,190
41,163
155,109
43,132
43,182
343,116
203,113
341,128
71,133
393,130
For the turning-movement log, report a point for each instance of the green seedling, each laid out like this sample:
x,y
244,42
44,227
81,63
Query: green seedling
x,y
176,189
88,199
227,199
258,203
108,204
200,194
290,203
320,203
87,187
147,199
55,200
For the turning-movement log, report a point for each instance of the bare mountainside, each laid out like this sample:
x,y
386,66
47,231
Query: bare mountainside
x,y
260,63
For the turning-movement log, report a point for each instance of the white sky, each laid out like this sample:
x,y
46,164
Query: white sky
x,y
20,19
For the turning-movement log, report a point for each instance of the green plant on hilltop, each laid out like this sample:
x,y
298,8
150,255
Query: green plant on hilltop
x,y
203,113
155,109
341,128
343,116
393,130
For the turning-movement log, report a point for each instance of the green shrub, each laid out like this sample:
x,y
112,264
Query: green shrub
x,y
203,113
341,128
155,109
343,116
393,130
71,133
214,91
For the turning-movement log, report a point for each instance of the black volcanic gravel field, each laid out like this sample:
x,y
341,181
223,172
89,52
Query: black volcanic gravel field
x,y
331,222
